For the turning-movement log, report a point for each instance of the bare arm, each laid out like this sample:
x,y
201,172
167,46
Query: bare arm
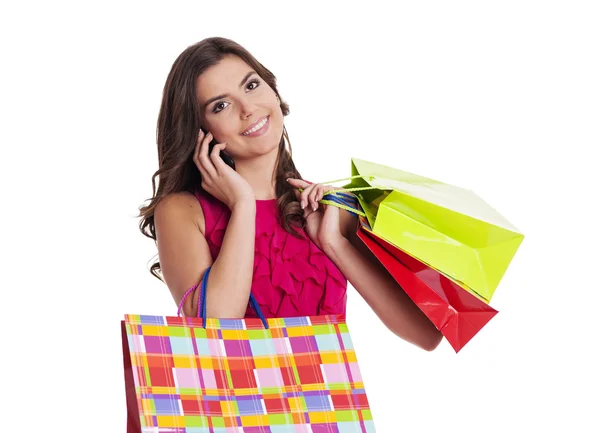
x,y
230,278
182,247
379,289
184,255
334,231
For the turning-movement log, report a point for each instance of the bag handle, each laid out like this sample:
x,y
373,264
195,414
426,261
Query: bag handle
x,y
202,303
340,198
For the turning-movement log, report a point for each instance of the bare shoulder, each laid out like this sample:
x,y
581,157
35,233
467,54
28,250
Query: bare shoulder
x,y
183,251
178,207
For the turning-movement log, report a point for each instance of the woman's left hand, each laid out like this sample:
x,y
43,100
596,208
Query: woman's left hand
x,y
322,221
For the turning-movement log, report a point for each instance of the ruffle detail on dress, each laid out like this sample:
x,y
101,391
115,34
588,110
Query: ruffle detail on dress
x,y
334,299
292,276
215,236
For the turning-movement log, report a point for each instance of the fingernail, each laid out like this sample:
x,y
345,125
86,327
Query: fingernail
x,y
315,207
288,179
302,204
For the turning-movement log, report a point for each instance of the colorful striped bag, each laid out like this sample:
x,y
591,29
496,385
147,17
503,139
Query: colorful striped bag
x,y
255,375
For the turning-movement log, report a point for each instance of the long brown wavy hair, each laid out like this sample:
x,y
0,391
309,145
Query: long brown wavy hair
x,y
177,134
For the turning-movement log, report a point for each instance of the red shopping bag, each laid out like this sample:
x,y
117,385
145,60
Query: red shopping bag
x,y
458,314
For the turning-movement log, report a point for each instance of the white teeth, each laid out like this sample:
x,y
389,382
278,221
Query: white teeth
x,y
257,127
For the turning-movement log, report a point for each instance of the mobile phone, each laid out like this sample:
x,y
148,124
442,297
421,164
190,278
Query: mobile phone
x,y
226,158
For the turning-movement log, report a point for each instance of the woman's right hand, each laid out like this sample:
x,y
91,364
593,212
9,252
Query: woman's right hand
x,y
218,179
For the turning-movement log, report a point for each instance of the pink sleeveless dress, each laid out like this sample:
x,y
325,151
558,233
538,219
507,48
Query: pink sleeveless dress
x,y
292,277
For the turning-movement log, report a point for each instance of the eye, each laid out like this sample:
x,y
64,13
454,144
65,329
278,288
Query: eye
x,y
216,108
255,81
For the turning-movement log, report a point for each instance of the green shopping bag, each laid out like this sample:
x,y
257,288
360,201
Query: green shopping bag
x,y
448,228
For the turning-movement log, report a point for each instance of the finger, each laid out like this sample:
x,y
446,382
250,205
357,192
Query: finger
x,y
326,189
320,194
197,148
308,212
304,196
216,159
204,142
203,158
298,183
306,187
315,195
298,195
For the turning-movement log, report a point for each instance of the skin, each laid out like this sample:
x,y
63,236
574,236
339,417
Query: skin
x,y
179,219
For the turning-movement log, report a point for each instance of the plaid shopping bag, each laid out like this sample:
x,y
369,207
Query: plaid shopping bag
x,y
255,375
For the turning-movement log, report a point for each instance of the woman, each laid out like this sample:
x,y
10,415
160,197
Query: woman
x,y
251,225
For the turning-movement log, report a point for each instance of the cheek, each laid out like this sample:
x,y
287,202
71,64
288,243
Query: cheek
x,y
275,107
223,128
278,115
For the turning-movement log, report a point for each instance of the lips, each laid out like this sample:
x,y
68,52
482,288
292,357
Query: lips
x,y
265,120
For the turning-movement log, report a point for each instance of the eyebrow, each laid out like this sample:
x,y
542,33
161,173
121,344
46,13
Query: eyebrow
x,y
224,95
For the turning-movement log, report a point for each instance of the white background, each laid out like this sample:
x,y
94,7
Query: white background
x,y
499,97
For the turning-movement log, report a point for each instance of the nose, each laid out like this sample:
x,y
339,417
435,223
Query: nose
x,y
247,108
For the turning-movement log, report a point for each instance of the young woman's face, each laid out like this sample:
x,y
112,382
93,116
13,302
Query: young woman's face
x,y
239,108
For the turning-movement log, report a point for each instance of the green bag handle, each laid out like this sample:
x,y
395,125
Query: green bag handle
x,y
335,196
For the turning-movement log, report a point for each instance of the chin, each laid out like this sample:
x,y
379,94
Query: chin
x,y
271,139
267,147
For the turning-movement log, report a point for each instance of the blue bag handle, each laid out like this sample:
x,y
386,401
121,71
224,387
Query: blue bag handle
x,y
346,203
202,306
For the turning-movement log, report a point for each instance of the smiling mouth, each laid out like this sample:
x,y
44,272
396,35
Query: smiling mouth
x,y
258,127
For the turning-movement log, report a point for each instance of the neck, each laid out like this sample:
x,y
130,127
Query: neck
x,y
259,173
